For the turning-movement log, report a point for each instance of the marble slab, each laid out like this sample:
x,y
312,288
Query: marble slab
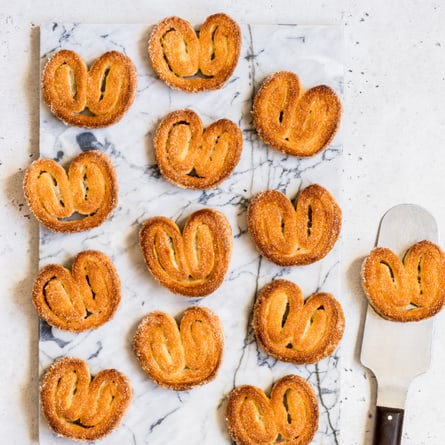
x,y
158,416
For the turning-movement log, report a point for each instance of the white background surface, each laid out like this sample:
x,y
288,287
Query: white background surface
x,y
394,142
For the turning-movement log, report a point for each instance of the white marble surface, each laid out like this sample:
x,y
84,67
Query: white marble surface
x,y
393,137
315,53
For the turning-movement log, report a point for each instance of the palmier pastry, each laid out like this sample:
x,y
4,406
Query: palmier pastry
x,y
89,189
289,416
292,120
193,263
180,358
80,407
85,298
293,330
191,157
192,63
411,290
93,98
291,236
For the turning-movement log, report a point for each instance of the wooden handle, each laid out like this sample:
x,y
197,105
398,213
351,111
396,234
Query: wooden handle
x,y
388,426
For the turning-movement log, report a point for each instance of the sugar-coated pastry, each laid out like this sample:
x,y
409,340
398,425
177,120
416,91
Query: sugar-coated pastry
x,y
89,189
81,299
290,236
293,120
408,290
89,98
191,61
180,357
192,157
79,406
294,330
290,416
192,263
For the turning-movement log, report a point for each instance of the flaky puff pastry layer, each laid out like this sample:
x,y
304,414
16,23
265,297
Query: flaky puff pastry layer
x,y
192,263
294,236
180,357
81,299
295,330
90,98
193,62
73,201
193,157
290,415
79,406
408,290
293,120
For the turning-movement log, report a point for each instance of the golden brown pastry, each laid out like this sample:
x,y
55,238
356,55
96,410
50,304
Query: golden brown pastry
x,y
411,290
293,120
193,263
80,407
192,63
89,189
93,98
183,357
294,330
85,298
291,236
289,416
192,157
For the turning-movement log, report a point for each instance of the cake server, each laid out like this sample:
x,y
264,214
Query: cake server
x,y
397,352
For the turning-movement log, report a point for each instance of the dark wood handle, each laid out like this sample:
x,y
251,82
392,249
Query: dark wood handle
x,y
388,426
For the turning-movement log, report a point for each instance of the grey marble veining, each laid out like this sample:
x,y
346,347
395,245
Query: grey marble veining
x,y
158,416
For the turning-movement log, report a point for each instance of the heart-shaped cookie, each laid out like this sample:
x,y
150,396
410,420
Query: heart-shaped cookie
x,y
73,202
411,290
192,63
80,300
291,236
294,330
289,416
80,407
292,120
193,263
93,98
191,157
183,357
